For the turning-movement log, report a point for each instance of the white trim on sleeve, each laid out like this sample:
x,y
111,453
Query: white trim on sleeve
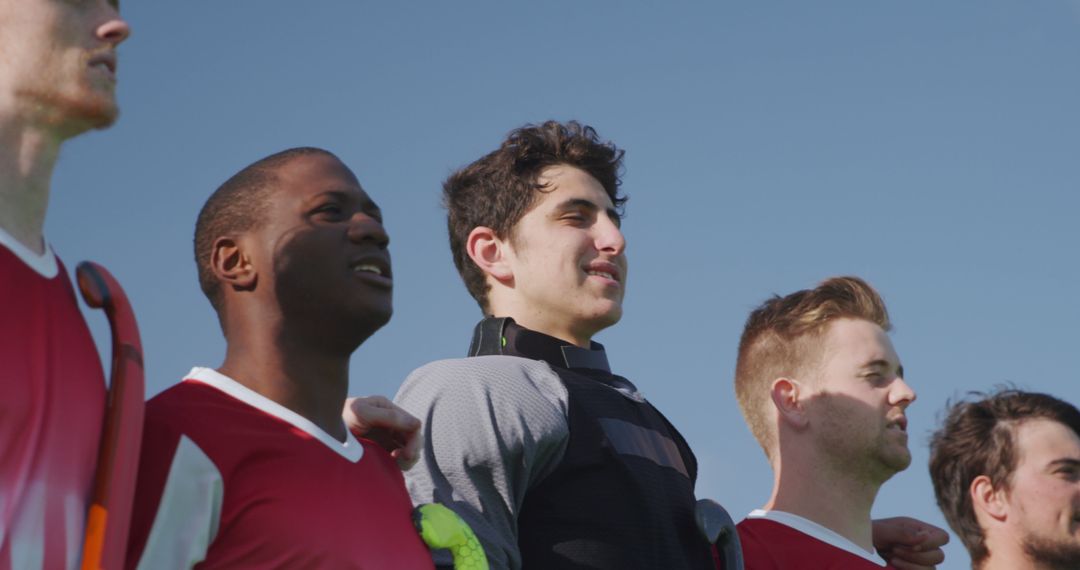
x,y
189,513
814,530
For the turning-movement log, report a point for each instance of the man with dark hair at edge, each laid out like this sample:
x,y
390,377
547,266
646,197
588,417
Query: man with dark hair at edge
x,y
57,81
823,391
251,465
1006,472
553,460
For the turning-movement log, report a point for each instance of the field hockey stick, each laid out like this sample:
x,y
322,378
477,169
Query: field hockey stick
x,y
109,516
718,529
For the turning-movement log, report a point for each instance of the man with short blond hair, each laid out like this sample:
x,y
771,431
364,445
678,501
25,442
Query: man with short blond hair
x,y
1006,472
823,391
57,80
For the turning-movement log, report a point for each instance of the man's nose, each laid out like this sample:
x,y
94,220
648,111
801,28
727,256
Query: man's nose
x,y
365,228
115,29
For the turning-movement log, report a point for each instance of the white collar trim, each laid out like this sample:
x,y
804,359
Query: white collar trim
x,y
813,529
350,449
44,264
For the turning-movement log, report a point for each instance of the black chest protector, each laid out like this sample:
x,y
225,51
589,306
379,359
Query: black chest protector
x,y
622,497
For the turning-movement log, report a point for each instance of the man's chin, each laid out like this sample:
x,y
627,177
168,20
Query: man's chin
x,y
1058,554
99,116
74,116
606,318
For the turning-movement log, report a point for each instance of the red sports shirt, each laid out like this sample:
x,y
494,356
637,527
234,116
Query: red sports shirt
x,y
230,479
775,540
52,403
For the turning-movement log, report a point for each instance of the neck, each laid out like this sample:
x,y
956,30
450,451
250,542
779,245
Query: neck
x,y
304,378
835,499
27,156
541,322
1006,553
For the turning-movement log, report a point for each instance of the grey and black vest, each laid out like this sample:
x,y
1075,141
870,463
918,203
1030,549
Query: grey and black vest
x,y
622,495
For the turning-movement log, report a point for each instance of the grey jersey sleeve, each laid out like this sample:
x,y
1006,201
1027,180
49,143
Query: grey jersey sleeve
x,y
494,426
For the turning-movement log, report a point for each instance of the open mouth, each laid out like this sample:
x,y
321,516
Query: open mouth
x,y
604,270
374,269
899,423
367,268
104,62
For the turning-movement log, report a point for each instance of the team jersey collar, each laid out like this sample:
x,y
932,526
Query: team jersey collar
x,y
501,335
350,449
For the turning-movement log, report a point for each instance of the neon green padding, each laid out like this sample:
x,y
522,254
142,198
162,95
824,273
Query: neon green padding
x,y
442,528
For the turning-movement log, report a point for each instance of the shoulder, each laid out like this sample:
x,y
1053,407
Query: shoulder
x,y
486,370
176,403
190,408
757,538
771,544
508,380
466,404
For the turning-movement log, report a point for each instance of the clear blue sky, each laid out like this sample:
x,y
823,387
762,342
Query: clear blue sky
x,y
930,147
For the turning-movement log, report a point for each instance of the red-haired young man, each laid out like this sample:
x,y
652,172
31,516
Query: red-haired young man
x,y
823,391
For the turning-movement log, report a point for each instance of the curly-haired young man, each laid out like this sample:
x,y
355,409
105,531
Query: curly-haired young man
x,y
555,461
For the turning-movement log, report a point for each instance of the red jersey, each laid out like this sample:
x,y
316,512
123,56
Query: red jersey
x,y
230,479
52,404
775,540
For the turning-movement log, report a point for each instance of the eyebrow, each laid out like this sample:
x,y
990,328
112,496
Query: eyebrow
x,y
367,204
882,363
1065,462
582,203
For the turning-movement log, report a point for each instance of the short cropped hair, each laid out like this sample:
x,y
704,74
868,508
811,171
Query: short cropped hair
x,y
780,340
498,189
236,207
977,438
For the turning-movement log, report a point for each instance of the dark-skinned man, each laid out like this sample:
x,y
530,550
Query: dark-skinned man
x,y
250,465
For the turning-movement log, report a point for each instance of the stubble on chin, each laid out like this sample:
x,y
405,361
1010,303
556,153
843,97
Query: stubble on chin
x,y
74,113
1056,554
855,448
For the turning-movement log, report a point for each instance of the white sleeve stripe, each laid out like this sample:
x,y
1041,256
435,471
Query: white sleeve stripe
x,y
189,512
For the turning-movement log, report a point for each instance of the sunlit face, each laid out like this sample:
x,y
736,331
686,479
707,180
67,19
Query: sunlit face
x,y
1044,498
859,397
58,61
323,247
568,258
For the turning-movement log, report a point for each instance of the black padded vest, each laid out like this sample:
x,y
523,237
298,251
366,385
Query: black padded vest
x,y
622,497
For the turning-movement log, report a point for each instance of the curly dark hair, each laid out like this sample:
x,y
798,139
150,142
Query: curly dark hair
x,y
977,438
500,188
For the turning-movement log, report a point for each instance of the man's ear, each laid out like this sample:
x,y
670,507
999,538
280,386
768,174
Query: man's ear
x,y
787,397
985,499
489,253
232,265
